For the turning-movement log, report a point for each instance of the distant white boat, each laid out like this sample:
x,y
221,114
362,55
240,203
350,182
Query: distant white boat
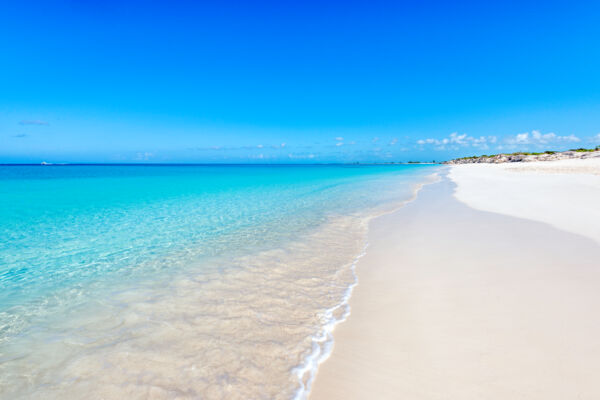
x,y
45,163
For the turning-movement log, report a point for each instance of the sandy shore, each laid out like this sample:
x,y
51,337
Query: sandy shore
x,y
564,194
454,302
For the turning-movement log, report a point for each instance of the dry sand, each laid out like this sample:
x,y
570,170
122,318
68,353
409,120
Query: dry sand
x,y
565,194
456,303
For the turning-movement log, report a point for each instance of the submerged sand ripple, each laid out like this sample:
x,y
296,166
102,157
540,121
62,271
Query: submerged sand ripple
x,y
237,334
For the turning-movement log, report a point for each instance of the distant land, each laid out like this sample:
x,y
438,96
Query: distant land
x,y
528,157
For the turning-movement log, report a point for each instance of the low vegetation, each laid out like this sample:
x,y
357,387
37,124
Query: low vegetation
x,y
525,153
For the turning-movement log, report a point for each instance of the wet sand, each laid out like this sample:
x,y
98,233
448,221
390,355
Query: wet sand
x,y
458,303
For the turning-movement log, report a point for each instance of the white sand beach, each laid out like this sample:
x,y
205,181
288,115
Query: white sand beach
x,y
564,194
485,287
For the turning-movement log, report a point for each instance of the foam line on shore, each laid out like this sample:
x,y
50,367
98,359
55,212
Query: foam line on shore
x,y
323,341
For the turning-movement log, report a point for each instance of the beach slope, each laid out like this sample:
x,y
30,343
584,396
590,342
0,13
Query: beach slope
x,y
565,194
459,303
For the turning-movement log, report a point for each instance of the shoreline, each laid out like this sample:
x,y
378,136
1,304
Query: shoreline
x,y
323,343
411,332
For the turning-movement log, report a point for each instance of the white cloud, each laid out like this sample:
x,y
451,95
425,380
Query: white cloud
x,y
455,141
538,138
301,156
375,140
522,137
339,138
260,146
393,141
339,144
145,156
426,141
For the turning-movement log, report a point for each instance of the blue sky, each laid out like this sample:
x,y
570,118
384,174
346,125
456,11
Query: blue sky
x,y
295,81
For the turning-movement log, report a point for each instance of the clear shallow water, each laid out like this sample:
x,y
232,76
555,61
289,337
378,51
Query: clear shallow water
x,y
179,281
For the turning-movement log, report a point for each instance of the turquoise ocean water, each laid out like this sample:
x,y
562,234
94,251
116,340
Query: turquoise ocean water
x,y
180,281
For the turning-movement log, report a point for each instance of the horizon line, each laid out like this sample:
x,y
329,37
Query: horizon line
x,y
43,164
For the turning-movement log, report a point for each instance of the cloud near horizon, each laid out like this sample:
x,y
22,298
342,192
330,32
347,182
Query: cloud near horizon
x,y
456,141
302,156
234,148
143,156
535,138
538,138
